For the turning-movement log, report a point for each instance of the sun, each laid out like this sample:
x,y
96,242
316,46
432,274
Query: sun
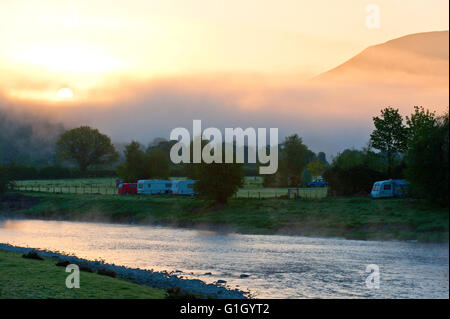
x,y
64,93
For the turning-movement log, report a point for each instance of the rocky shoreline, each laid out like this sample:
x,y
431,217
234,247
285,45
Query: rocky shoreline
x,y
162,280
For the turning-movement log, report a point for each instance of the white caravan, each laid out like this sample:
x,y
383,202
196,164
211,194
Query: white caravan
x,y
154,186
183,187
390,188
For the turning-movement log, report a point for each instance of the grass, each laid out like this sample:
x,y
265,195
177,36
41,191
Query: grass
x,y
351,218
106,185
29,278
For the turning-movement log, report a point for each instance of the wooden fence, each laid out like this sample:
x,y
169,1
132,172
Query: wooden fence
x,y
110,189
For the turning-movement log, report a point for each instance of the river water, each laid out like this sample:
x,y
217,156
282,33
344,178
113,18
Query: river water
x,y
278,266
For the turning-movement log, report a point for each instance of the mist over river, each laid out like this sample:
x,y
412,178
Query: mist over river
x,y
267,266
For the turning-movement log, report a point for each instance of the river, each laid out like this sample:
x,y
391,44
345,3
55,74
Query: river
x,y
277,266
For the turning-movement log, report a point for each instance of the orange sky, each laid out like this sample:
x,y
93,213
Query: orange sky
x,y
136,69
85,45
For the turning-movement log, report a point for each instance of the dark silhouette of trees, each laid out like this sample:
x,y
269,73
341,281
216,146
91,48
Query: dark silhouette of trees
x,y
216,181
390,135
143,165
427,156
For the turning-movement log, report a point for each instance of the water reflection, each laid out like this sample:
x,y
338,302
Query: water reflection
x,y
279,266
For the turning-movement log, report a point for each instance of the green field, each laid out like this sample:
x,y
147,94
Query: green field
x,y
351,218
105,185
252,188
28,278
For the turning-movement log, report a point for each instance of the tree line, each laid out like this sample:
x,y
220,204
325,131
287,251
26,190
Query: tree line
x,y
415,148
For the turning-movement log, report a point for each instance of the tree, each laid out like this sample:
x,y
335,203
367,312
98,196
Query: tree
x,y
216,181
316,168
358,179
134,166
293,159
348,159
420,122
390,135
5,181
162,145
141,165
354,172
159,164
322,157
427,157
87,147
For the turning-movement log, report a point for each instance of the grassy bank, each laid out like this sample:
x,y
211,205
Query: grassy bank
x,y
30,278
351,218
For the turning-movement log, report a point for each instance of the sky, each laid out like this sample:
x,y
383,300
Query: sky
x,y
86,55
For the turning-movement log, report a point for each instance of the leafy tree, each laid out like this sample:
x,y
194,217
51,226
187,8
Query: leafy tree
x,y
156,141
293,159
216,181
87,147
348,159
390,134
354,172
159,164
310,156
141,165
134,167
316,168
162,145
294,156
420,122
351,181
322,157
427,157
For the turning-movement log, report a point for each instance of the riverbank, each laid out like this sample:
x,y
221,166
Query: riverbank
x,y
351,218
30,278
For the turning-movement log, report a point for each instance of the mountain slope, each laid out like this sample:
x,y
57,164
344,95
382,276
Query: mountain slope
x,y
418,58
